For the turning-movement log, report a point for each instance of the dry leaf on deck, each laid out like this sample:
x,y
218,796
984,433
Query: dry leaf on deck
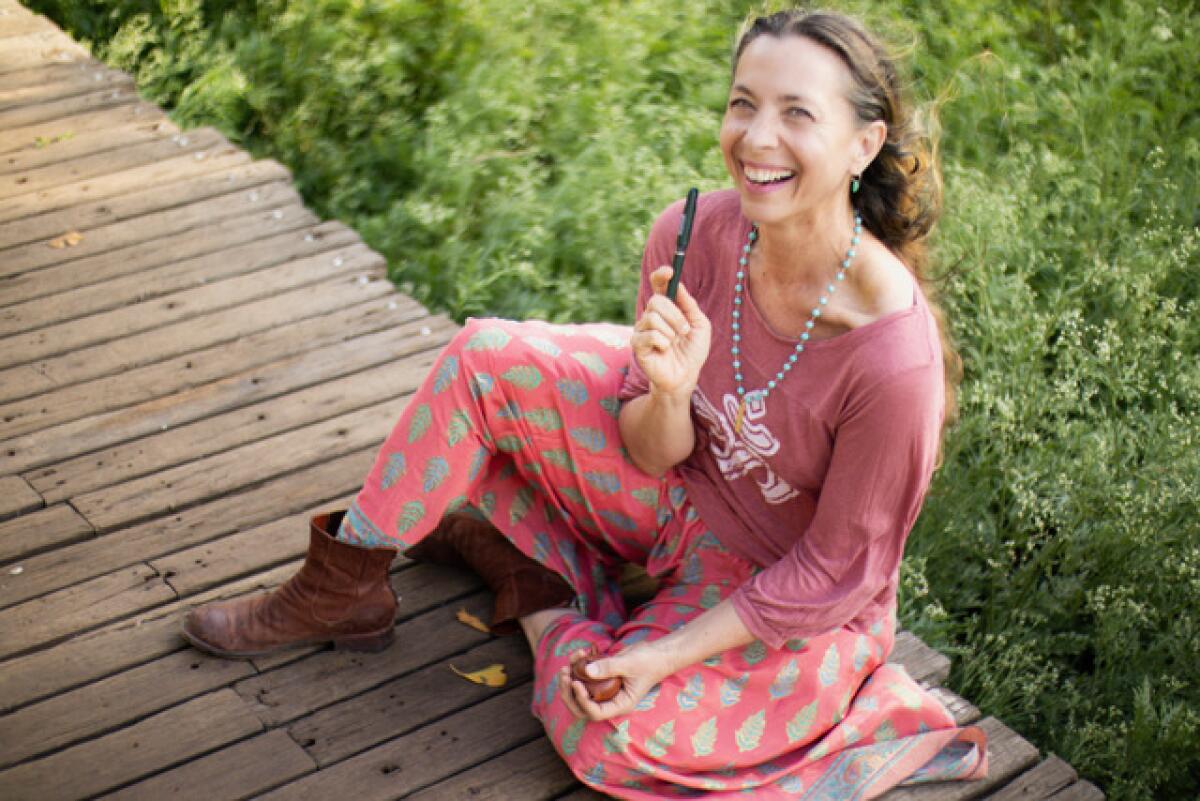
x,y
468,619
490,676
68,240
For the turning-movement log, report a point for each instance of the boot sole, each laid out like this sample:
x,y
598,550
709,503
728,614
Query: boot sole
x,y
373,642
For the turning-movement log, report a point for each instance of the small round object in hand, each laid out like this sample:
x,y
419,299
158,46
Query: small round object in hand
x,y
600,690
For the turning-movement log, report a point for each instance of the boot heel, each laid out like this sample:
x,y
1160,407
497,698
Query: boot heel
x,y
367,642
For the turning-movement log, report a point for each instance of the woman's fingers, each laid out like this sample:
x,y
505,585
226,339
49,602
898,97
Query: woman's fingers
x,y
660,278
651,339
661,320
689,309
567,691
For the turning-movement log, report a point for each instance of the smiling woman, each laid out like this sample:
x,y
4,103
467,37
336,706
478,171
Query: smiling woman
x,y
774,509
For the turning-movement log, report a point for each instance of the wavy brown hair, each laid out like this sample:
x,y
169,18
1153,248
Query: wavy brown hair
x,y
900,196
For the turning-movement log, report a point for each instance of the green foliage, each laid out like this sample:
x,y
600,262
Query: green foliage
x,y
508,159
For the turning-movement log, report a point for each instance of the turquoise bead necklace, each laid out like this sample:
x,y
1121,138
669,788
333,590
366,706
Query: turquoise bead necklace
x,y
823,300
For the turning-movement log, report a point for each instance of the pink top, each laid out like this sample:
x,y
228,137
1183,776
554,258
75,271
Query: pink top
x,y
824,484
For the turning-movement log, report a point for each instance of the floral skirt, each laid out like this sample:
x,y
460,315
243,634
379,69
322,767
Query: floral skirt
x,y
518,421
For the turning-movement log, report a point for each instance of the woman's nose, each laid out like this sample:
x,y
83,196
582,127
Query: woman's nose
x,y
763,131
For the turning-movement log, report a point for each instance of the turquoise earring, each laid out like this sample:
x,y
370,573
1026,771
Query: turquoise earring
x,y
854,184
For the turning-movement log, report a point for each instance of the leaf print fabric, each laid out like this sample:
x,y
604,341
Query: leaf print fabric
x,y
517,423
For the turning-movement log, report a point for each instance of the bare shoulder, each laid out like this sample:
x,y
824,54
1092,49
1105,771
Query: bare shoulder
x,y
884,284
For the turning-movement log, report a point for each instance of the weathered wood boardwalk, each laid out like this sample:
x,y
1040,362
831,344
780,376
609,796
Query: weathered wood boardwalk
x,y
191,364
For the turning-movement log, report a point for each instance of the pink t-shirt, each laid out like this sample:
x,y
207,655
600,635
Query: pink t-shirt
x,y
823,485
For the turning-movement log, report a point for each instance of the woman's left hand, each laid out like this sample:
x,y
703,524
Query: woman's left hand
x,y
639,667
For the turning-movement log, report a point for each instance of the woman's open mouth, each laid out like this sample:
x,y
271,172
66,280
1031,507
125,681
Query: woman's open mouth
x,y
765,179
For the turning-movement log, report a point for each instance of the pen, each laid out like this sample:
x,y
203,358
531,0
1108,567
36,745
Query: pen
x,y
685,236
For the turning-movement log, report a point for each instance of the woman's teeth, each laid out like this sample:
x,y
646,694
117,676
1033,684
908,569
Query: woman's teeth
x,y
758,176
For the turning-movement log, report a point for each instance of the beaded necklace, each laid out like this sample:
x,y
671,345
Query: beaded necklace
x,y
760,395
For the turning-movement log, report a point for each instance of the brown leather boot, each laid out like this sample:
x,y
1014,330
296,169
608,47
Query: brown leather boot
x,y
341,594
522,586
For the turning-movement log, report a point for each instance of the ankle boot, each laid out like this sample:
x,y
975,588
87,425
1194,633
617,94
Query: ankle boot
x,y
341,594
521,585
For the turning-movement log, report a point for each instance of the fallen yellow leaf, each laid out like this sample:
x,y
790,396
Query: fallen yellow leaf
x,y
490,676
68,240
468,619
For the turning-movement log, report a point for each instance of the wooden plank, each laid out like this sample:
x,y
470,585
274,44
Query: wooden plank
x,y
303,489
1080,791
113,702
238,361
28,137
411,700
17,497
408,343
327,677
529,772
146,204
242,770
52,617
426,756
962,710
240,246
118,183
71,105
40,48
212,435
157,225
922,662
125,156
239,771
1039,783
345,290
1008,756
157,320
17,21
41,530
157,742
54,82
46,152
115,647
216,475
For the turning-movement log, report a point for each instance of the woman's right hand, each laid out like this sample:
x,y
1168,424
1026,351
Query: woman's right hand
x,y
671,339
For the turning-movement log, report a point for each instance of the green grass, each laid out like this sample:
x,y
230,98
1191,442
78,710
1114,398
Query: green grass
x,y
508,159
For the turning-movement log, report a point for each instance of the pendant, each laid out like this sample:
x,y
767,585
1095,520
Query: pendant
x,y
741,414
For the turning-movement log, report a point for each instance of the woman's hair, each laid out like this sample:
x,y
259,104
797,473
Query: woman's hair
x,y
900,194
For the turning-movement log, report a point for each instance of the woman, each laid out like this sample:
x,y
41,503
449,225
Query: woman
x,y
773,507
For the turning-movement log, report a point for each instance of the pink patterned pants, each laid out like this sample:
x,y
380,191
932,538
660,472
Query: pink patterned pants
x,y
519,421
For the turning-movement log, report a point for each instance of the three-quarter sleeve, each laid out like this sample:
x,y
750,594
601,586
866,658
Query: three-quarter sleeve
x,y
882,460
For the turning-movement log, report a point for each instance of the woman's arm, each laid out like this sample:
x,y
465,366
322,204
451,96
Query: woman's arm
x,y
656,429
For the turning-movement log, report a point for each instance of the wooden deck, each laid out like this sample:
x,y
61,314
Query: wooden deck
x,y
191,364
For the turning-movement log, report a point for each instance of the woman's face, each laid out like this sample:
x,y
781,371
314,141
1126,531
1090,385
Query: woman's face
x,y
790,137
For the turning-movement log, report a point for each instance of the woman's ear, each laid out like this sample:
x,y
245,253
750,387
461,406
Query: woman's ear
x,y
869,141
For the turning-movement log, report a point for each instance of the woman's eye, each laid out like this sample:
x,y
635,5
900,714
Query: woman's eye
x,y
796,111
739,102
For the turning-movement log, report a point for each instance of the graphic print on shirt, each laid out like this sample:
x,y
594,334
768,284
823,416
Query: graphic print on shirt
x,y
747,453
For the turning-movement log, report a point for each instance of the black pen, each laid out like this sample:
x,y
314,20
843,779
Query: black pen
x,y
685,236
